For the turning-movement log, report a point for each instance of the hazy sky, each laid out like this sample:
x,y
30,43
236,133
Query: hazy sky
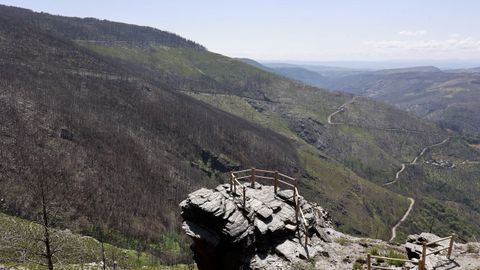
x,y
301,30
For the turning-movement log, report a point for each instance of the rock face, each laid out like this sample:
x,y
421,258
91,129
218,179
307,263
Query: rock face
x,y
264,235
249,237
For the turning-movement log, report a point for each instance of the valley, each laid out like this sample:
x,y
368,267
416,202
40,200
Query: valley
x,y
106,127
448,97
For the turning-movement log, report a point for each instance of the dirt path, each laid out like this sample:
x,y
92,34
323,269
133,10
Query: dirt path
x,y
397,174
414,161
470,162
394,228
412,200
342,108
339,110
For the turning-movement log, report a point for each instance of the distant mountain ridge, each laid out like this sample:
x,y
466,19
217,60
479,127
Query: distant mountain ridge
x,y
95,30
449,97
138,125
409,69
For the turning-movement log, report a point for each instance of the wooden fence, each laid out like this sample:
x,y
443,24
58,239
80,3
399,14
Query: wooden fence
x,y
370,266
451,240
423,259
252,175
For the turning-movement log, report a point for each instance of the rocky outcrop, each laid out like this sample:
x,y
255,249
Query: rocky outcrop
x,y
238,236
263,234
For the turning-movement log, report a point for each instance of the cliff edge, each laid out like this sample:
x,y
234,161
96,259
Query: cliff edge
x,y
262,232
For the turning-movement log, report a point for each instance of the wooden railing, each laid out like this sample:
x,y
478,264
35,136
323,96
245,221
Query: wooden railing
x,y
449,249
370,266
278,179
421,262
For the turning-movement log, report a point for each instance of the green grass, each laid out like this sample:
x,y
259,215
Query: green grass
x,y
18,247
357,266
369,215
390,253
240,107
396,255
374,250
343,241
185,62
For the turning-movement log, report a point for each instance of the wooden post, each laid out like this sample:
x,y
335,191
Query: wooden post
x,y
450,247
234,187
424,255
276,182
231,182
295,201
295,194
244,198
253,177
369,262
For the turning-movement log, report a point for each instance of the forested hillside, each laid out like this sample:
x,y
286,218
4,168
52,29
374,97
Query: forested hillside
x,y
114,151
113,124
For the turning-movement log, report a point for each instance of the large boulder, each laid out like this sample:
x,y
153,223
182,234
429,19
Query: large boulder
x,y
228,235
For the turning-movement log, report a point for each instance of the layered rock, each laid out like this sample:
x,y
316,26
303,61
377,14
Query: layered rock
x,y
263,234
239,235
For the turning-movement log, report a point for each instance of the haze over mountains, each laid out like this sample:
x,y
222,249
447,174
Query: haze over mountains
x,y
128,120
449,97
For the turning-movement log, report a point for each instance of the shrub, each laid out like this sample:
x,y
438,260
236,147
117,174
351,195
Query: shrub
x,y
471,248
342,241
357,266
374,251
394,254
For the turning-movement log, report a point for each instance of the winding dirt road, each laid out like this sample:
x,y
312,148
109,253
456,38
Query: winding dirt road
x,y
397,175
470,162
394,228
414,161
339,110
412,200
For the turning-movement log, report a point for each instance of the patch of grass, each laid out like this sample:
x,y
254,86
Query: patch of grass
x,y
397,255
343,241
374,250
471,248
241,107
357,266
77,251
304,266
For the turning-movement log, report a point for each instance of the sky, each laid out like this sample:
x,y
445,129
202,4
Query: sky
x,y
301,30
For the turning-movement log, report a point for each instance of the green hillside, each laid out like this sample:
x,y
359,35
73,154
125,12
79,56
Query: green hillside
x,y
126,129
21,247
449,98
373,141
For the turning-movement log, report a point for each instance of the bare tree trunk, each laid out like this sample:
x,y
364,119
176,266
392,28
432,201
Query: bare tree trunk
x,y
104,261
46,234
